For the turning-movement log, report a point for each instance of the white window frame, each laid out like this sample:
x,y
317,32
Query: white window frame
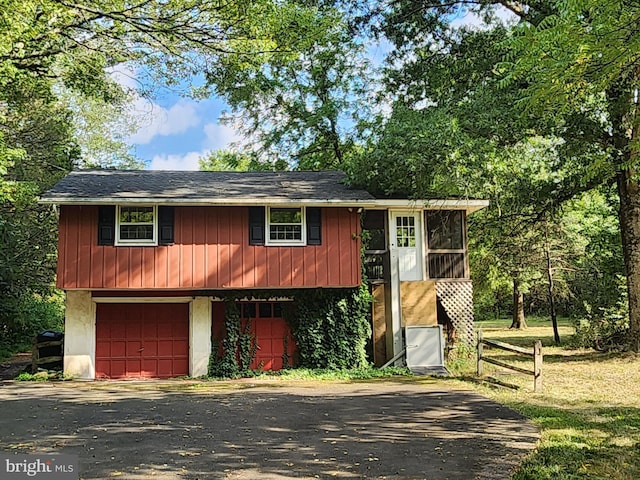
x,y
286,243
137,242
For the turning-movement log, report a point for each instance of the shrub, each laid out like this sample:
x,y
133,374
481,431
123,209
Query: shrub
x,y
604,332
23,317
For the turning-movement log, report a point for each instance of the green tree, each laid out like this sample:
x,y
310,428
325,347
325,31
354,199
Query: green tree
x,y
57,101
227,160
582,59
300,108
459,105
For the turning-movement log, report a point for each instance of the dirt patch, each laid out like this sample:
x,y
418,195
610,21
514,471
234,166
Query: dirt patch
x,y
12,367
248,430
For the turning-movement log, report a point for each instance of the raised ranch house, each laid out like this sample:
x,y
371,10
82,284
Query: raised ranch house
x,y
145,256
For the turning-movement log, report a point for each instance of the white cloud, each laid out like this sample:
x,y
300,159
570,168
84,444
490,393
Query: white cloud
x,y
160,121
153,119
219,136
187,161
175,120
472,20
125,76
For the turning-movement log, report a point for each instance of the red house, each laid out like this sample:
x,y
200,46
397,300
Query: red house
x,y
144,257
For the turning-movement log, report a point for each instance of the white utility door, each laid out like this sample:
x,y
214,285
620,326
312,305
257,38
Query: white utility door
x,y
406,239
425,346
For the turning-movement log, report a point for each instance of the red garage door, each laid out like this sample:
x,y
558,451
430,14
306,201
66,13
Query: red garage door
x,y
142,340
271,333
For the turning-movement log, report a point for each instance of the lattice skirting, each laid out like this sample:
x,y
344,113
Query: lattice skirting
x,y
457,300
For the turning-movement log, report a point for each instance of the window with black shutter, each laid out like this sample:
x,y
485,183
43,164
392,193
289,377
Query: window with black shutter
x,y
165,225
135,225
285,226
256,225
106,224
314,226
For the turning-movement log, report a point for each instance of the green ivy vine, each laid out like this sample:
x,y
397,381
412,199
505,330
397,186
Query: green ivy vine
x,y
330,327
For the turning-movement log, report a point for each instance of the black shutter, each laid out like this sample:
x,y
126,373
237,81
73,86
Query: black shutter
x,y
106,224
165,226
256,225
314,226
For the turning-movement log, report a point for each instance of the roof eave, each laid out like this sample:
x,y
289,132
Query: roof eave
x,y
207,201
470,205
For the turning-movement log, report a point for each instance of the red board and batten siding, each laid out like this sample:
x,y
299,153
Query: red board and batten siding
x,y
211,251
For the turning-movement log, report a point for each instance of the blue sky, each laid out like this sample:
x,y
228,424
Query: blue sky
x,y
176,131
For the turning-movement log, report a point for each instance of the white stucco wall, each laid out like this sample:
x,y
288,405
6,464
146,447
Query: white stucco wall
x,y
80,335
199,336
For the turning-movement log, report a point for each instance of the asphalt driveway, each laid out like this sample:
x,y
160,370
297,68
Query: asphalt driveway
x,y
270,430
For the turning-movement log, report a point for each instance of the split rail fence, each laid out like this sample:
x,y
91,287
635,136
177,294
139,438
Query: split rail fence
x,y
535,353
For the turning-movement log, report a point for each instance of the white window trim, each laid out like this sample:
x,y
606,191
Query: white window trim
x,y
286,243
137,242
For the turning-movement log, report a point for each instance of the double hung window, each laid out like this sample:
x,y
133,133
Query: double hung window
x,y
136,225
285,226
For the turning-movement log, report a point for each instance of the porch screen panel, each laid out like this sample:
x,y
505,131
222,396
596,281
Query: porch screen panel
x,y
446,265
446,244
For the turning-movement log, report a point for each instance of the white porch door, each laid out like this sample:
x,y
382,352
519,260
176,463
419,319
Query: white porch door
x,y
406,239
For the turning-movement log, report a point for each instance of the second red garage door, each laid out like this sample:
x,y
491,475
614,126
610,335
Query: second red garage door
x,y
142,340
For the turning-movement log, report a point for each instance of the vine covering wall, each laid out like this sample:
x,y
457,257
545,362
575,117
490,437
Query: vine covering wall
x,y
331,328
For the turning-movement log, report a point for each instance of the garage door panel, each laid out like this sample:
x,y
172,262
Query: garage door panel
x,y
180,349
118,368
277,347
150,330
181,365
103,349
118,348
132,329
165,348
142,340
165,367
165,329
269,329
133,368
263,328
132,349
149,369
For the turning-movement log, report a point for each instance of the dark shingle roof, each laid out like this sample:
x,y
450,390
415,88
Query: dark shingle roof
x,y
103,186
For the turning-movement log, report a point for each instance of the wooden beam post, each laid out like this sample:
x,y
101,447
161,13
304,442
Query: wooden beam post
x,y
480,369
537,366
34,355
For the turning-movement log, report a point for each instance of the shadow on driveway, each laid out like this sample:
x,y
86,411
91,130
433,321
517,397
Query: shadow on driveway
x,y
259,430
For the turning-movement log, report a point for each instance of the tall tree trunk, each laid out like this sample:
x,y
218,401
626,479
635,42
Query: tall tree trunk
x,y
552,301
518,320
629,191
627,138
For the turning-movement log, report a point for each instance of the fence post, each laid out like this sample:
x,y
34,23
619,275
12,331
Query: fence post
x,y
35,354
537,366
480,369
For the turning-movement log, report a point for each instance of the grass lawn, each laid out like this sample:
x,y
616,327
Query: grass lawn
x,y
588,409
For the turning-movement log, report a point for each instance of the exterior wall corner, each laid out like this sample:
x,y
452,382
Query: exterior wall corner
x,y
80,335
199,336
